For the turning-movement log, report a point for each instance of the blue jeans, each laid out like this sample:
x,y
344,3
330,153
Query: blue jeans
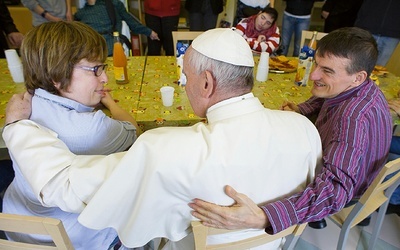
x,y
292,25
386,46
394,153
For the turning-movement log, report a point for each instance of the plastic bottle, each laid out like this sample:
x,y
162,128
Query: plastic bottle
x,y
120,62
306,60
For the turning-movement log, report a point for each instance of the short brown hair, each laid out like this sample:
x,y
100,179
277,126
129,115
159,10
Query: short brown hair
x,y
353,43
50,51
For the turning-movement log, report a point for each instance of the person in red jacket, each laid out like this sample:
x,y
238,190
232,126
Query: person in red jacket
x,y
162,16
261,31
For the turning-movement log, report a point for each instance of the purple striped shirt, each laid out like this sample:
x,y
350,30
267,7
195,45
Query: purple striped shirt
x,y
355,129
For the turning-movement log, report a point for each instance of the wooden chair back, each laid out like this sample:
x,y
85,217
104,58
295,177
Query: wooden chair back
x,y
34,225
306,36
184,36
376,196
201,232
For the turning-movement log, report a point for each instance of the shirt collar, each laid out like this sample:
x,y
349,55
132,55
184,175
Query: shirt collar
x,y
345,95
229,101
62,101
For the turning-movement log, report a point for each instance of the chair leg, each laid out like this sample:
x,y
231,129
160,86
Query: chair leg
x,y
344,233
381,215
345,228
378,225
290,243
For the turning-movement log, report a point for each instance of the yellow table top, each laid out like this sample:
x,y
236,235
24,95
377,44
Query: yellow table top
x,y
141,96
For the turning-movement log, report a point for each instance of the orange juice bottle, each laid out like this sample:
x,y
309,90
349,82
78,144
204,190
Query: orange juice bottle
x,y
120,62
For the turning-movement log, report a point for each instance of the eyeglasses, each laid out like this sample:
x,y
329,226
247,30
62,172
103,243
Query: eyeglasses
x,y
97,70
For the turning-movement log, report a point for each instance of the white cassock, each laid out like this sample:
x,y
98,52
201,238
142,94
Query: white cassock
x,y
266,154
263,153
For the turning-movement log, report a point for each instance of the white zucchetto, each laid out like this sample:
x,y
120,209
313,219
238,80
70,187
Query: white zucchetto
x,y
226,45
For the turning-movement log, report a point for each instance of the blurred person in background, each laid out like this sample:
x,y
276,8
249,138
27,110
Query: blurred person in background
x,y
203,14
383,21
260,30
162,16
48,10
339,13
95,14
247,8
296,18
8,31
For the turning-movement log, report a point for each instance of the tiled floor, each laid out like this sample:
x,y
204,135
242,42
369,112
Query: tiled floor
x,y
326,239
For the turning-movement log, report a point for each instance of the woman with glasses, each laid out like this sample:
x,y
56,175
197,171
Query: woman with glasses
x,y
65,72
261,31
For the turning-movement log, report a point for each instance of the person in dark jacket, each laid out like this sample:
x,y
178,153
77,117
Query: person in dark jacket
x,y
8,30
383,21
95,14
296,17
162,16
203,14
340,13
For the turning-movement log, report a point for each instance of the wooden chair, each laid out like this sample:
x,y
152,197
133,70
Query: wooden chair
x,y
306,36
34,225
201,232
184,36
376,196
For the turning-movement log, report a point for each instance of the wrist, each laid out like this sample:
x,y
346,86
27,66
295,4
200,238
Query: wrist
x,y
43,14
262,221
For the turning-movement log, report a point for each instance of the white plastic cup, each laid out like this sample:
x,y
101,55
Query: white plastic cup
x,y
264,59
167,95
17,73
12,57
263,67
262,74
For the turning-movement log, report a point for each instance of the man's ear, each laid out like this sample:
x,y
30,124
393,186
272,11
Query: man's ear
x,y
360,77
209,85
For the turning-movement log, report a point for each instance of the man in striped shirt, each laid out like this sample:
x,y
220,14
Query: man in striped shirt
x,y
354,123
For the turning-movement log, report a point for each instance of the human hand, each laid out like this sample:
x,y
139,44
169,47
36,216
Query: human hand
x,y
18,107
261,38
324,14
290,106
52,18
69,16
154,36
107,99
241,215
15,39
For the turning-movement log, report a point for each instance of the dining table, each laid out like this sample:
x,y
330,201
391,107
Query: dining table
x,y
147,74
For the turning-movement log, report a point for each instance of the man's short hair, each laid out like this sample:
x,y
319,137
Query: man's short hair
x,y
352,43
